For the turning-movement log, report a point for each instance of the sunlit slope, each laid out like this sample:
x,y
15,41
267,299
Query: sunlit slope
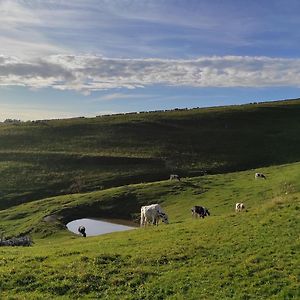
x,y
249,255
217,192
48,158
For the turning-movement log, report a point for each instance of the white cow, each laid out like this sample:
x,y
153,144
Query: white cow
x,y
260,175
239,207
174,177
152,213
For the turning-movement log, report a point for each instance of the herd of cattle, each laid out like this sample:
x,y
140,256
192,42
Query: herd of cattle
x,y
151,214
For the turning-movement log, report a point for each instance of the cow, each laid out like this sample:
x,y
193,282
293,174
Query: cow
x,y
152,213
239,207
260,175
81,229
174,177
200,211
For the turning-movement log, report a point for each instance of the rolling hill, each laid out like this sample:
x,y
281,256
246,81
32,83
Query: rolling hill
x,y
107,167
47,158
248,255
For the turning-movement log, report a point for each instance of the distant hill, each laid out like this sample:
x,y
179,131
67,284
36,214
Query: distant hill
x,y
46,158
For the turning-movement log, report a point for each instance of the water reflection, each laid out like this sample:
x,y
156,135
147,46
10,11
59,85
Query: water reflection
x,y
96,227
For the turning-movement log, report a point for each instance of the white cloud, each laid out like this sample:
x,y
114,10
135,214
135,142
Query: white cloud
x,y
21,33
122,96
91,73
13,14
135,28
141,28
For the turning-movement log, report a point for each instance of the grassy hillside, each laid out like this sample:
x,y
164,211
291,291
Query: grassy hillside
x,y
249,255
47,158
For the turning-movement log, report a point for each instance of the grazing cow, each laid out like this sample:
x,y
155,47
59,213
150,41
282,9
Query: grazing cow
x,y
81,229
152,213
260,175
200,211
174,177
239,207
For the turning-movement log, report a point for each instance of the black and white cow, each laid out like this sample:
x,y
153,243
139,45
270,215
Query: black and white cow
x,y
81,229
260,175
200,211
174,177
239,207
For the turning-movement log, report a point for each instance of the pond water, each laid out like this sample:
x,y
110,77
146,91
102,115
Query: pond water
x,y
96,227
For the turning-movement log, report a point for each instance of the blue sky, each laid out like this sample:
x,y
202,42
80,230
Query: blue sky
x,y
61,59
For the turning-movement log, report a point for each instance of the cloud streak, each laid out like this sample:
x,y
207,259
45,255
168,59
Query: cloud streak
x,y
90,73
141,28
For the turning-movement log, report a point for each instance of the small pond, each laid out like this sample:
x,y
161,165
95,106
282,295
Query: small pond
x,y
96,227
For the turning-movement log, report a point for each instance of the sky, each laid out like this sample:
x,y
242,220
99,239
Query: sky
x,y
61,59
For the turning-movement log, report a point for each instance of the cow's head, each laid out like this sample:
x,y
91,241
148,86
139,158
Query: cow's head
x,y
207,213
164,217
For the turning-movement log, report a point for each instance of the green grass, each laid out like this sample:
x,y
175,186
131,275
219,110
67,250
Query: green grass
x,y
249,255
50,158
31,176
107,167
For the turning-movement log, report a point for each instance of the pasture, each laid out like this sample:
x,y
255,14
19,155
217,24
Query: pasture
x,y
59,157
53,172
229,255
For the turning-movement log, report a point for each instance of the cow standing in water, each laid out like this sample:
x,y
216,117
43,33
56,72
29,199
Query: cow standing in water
x,y
81,229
